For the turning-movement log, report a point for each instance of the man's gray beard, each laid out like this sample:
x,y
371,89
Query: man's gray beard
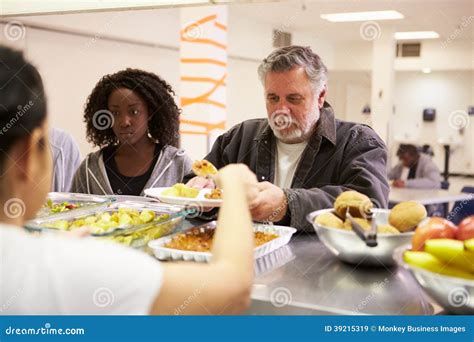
x,y
296,135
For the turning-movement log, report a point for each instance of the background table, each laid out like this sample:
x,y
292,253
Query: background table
x,y
427,196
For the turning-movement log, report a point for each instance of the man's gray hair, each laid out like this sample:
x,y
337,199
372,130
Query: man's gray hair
x,y
288,57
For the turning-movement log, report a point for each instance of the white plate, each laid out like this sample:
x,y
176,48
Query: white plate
x,y
199,201
163,253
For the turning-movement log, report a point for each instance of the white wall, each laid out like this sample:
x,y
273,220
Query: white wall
x,y
447,91
71,66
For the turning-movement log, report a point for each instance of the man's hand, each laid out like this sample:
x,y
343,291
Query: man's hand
x,y
398,183
241,172
270,204
201,183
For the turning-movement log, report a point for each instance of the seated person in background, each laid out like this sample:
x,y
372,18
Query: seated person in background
x,y
66,159
426,149
131,115
52,274
422,171
302,155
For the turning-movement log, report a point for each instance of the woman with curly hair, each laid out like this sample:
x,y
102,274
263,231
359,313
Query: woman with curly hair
x,y
132,117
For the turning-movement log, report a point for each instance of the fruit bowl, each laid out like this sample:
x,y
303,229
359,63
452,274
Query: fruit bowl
x,y
455,295
347,246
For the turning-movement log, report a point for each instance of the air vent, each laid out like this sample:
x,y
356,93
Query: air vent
x,y
281,39
408,49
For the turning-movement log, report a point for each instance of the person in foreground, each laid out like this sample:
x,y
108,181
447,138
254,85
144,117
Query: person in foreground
x,y
302,156
58,274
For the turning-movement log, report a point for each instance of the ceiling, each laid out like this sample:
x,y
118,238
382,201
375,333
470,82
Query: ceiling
x,y
455,17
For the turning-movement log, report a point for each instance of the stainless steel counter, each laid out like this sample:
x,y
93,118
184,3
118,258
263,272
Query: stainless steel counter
x,y
304,278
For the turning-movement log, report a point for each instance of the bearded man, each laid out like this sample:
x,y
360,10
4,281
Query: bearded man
x,y
302,155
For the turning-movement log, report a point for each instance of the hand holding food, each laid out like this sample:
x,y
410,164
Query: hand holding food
x,y
204,168
228,174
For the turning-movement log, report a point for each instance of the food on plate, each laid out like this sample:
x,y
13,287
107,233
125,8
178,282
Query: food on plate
x,y
55,208
200,240
181,190
214,194
329,220
203,168
431,263
104,222
406,216
357,203
466,229
433,228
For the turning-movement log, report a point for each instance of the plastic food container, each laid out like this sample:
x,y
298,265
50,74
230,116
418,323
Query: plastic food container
x,y
123,227
163,253
64,202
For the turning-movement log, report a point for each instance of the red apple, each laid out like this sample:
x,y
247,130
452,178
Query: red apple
x,y
433,228
466,229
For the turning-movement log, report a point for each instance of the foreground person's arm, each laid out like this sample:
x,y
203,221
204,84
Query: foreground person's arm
x,y
223,286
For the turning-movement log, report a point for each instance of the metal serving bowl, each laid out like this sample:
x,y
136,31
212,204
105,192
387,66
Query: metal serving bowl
x,y
455,295
347,246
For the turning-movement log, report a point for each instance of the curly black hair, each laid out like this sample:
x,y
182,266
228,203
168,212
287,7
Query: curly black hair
x,y
163,124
